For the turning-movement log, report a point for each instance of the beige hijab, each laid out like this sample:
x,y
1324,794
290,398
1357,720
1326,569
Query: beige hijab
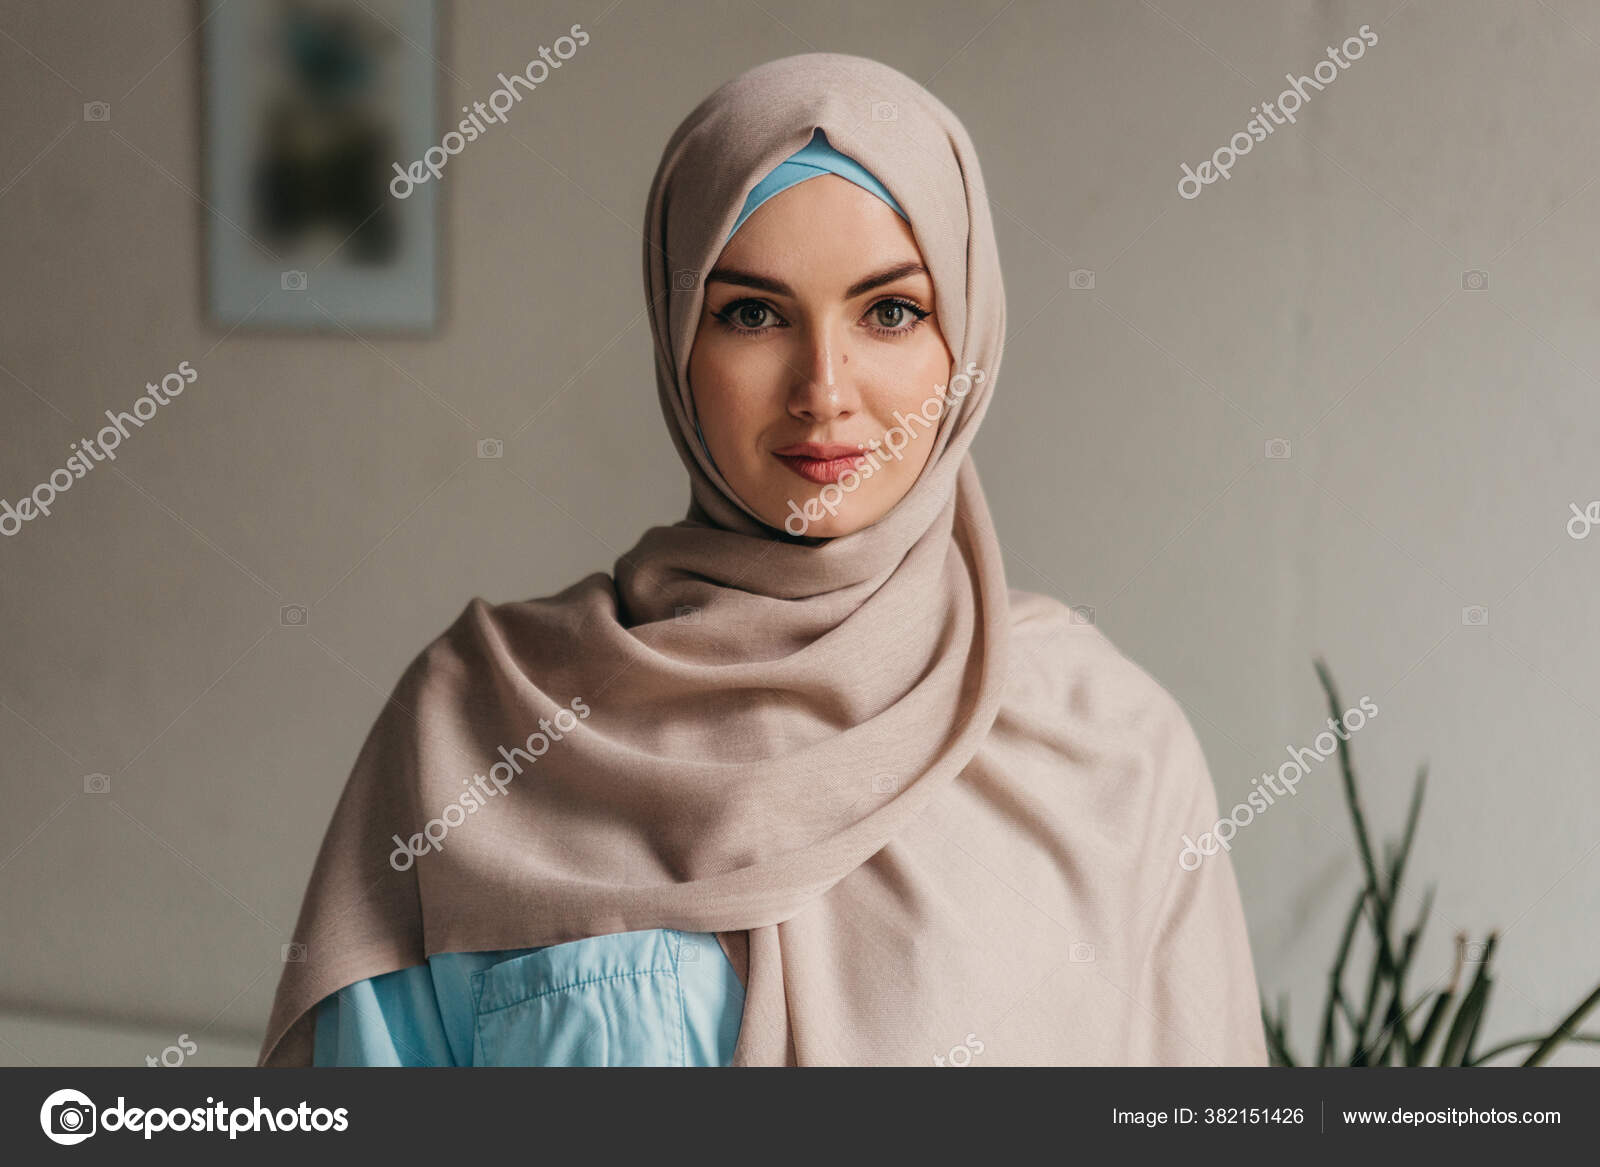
x,y
929,819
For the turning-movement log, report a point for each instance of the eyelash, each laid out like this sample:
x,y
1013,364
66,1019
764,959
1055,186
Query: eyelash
x,y
918,315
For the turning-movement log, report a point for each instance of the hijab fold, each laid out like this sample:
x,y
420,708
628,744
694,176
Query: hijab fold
x,y
921,810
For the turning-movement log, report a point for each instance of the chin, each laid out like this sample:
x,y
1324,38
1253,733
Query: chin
x,y
794,521
832,528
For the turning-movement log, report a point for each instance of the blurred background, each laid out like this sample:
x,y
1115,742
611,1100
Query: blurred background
x,y
1341,403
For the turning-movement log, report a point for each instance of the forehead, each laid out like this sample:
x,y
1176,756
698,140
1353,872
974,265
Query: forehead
x,y
827,226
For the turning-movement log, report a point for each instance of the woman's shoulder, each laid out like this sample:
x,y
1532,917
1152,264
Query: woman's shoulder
x,y
503,632
1070,681
1063,647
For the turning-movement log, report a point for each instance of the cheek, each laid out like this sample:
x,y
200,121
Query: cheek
x,y
909,380
724,400
735,390
710,380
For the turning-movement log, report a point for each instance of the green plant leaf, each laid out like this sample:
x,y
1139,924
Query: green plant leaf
x,y
1398,866
1380,902
1391,963
1461,1030
1477,1021
1398,1030
1563,1032
1336,980
1277,1044
1419,1048
1505,1047
1349,1017
1436,1015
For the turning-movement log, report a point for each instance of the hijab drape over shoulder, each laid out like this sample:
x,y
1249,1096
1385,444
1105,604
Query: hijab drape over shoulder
x,y
923,811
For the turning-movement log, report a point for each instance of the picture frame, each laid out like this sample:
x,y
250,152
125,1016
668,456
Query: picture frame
x,y
310,104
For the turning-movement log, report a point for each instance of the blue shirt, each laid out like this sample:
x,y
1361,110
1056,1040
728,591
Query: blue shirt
x,y
652,998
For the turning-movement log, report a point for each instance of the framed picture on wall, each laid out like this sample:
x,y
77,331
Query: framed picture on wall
x,y
310,106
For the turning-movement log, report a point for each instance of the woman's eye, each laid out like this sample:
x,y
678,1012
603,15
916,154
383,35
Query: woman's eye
x,y
895,316
753,315
748,316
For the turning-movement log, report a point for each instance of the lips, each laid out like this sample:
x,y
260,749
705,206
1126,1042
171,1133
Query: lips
x,y
821,450
822,470
821,462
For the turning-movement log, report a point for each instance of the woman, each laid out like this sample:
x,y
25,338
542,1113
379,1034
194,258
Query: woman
x,y
803,782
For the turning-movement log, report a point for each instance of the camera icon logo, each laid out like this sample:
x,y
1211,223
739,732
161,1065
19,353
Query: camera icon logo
x,y
97,784
1471,951
68,1117
1475,280
688,950
1475,615
491,448
293,281
1081,953
885,111
1584,521
97,111
1081,279
1082,614
883,784
292,615
294,953
1277,448
687,613
685,280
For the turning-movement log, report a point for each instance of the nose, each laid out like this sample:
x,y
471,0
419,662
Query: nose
x,y
823,387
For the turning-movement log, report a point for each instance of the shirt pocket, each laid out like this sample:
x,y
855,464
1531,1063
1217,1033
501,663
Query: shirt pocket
x,y
604,1001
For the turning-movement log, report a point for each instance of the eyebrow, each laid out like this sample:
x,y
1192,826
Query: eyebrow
x,y
730,275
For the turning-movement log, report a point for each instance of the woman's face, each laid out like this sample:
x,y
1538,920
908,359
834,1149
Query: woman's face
x,y
818,327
